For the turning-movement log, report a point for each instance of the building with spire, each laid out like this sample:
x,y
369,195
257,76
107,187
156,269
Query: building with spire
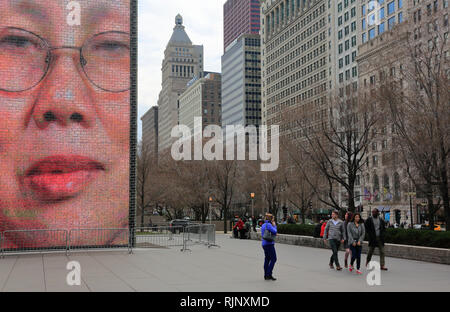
x,y
182,62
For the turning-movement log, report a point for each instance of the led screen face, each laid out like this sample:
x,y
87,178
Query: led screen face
x,y
64,121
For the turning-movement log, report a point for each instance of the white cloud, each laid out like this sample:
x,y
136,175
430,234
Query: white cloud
x,y
203,20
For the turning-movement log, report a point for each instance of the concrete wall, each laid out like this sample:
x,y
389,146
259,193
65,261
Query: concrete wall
x,y
436,255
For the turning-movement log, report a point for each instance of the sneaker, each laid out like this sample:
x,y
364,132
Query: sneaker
x,y
383,268
339,268
331,266
266,278
272,278
358,272
345,264
350,269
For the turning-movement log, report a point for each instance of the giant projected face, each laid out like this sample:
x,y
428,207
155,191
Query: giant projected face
x,y
64,118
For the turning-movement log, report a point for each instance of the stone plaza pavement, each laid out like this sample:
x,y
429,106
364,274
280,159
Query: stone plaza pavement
x,y
235,266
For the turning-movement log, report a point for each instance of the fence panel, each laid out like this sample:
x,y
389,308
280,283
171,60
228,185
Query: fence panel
x,y
33,240
99,238
200,234
159,236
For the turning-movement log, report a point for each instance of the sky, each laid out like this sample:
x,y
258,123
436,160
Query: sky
x,y
203,21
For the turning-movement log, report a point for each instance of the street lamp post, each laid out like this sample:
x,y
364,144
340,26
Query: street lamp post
x,y
209,208
252,196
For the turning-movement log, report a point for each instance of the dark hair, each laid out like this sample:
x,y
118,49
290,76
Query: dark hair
x,y
349,216
360,218
336,212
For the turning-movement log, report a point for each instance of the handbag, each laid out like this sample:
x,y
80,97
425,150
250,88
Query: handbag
x,y
268,236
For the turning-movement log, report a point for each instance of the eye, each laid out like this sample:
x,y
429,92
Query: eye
x,y
111,46
16,41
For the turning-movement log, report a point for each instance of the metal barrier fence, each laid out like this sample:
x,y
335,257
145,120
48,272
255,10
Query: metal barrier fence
x,y
159,237
99,238
148,237
200,234
33,240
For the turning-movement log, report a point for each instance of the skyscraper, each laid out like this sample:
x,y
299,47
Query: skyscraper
x,y
241,83
182,62
240,17
150,130
295,61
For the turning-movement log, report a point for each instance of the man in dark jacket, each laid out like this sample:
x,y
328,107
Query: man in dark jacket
x,y
317,229
375,229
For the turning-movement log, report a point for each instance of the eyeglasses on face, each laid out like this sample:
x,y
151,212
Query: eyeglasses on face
x,y
25,59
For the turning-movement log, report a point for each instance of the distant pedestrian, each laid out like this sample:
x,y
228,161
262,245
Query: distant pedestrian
x,y
268,244
335,234
322,229
348,252
237,228
376,228
254,221
318,228
355,235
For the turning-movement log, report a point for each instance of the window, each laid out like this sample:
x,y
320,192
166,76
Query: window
x,y
391,22
371,19
363,24
381,28
391,7
400,4
400,17
371,33
364,37
381,13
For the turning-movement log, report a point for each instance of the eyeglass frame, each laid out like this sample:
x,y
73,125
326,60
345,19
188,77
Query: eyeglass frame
x,y
49,57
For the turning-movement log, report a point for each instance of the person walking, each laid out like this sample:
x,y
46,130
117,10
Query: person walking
x,y
268,244
355,236
335,234
348,252
376,228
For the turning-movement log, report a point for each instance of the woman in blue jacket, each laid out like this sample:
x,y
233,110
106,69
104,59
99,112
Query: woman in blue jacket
x,y
269,246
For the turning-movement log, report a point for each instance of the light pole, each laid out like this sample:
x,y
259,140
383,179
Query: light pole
x,y
252,196
209,208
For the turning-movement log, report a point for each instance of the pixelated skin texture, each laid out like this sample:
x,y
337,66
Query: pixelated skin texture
x,y
90,198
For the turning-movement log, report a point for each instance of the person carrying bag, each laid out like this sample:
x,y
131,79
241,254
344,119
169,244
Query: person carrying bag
x,y
269,232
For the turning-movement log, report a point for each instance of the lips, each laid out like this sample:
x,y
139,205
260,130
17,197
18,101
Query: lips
x,y
60,177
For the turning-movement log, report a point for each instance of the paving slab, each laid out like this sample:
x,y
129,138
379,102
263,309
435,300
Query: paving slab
x,y
236,266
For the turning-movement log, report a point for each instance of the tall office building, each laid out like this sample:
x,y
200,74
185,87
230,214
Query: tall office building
x,y
240,17
385,56
150,130
182,62
201,99
295,61
241,82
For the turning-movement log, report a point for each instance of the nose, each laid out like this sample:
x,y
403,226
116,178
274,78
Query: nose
x,y
64,97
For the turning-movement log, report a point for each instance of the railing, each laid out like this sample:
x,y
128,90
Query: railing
x,y
33,240
200,234
158,236
99,238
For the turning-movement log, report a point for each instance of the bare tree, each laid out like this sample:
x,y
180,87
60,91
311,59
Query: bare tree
x,y
336,146
419,105
145,163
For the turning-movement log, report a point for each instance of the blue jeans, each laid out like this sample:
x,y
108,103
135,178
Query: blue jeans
x,y
356,255
270,259
334,244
